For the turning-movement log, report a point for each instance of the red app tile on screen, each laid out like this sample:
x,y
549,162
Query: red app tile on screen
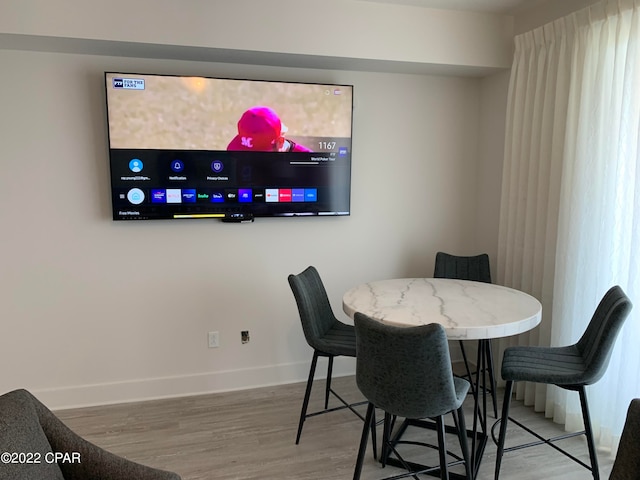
x,y
285,194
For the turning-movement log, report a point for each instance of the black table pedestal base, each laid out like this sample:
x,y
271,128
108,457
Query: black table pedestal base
x,y
480,443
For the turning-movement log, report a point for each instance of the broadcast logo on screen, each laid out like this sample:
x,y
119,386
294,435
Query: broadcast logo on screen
x,y
129,83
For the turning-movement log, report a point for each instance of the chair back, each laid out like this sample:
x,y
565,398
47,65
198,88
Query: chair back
x,y
596,343
405,371
315,310
474,268
627,463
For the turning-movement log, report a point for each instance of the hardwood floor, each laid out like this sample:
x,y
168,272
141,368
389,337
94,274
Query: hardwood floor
x,y
251,435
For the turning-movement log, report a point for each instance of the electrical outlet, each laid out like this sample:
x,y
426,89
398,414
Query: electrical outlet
x,y
214,339
244,336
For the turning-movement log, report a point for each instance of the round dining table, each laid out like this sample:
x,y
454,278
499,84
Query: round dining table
x,y
466,309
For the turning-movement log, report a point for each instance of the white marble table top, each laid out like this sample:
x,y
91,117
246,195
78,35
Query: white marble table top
x,y
468,310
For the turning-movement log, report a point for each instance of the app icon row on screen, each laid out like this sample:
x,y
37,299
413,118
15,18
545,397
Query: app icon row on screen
x,y
136,165
137,196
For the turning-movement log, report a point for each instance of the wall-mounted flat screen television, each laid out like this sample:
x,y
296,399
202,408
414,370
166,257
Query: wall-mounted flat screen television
x,y
200,147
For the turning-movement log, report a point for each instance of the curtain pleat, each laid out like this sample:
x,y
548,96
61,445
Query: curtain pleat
x,y
538,97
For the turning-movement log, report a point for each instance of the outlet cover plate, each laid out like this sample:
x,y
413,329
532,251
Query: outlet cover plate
x,y
214,339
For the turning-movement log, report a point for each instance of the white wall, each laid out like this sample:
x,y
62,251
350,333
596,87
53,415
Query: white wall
x,y
491,131
97,312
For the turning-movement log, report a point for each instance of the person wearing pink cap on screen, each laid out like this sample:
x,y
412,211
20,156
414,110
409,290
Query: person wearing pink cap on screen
x,y
260,129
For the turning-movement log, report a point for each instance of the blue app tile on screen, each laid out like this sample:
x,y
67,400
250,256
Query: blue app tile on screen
x,y
158,196
297,195
310,194
217,196
188,195
245,195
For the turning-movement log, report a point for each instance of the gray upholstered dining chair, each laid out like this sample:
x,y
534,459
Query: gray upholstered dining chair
x,y
570,367
476,268
57,453
406,371
626,466
328,337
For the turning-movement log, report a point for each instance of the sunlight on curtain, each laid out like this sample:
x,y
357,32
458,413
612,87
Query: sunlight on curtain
x,y
570,221
599,224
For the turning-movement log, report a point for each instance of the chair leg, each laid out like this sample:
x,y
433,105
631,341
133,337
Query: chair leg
x,y
492,379
374,440
595,471
307,394
327,390
503,425
363,441
464,445
442,448
386,438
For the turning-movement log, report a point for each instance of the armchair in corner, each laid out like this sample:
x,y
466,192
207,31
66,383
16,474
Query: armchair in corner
x,y
28,427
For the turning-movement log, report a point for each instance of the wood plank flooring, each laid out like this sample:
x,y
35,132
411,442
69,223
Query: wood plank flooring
x,y
250,434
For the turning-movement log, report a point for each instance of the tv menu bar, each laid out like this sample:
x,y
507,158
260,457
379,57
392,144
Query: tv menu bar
x,y
138,196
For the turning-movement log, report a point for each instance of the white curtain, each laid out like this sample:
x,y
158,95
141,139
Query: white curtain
x,y
570,217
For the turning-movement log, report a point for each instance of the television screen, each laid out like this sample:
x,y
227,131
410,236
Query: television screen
x,y
198,147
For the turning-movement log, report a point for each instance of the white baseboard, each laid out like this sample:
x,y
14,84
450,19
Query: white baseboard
x,y
186,385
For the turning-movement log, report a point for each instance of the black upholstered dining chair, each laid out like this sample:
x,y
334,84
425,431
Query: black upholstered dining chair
x,y
626,466
476,268
406,371
570,367
328,337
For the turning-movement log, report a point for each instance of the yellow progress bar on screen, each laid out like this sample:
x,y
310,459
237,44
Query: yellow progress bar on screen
x,y
199,215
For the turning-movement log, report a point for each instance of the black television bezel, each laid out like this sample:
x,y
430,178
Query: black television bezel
x,y
235,211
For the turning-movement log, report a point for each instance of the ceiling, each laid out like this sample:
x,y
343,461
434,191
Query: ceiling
x,y
487,6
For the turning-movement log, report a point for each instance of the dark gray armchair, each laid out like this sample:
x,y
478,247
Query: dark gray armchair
x,y
627,463
51,451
